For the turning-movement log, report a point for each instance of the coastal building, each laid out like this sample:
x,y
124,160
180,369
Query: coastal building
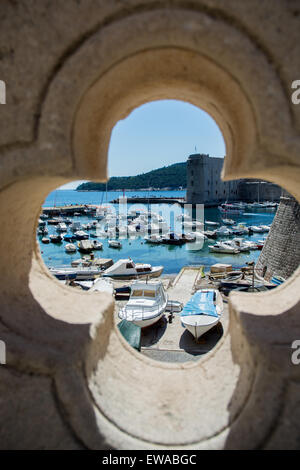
x,y
204,184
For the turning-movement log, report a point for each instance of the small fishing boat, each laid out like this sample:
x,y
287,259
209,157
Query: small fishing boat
x,y
237,243
256,229
114,244
202,312
56,238
153,239
146,304
80,272
45,240
210,233
61,227
69,238
81,235
225,231
127,269
228,221
96,245
85,246
221,247
209,222
173,239
70,248
42,231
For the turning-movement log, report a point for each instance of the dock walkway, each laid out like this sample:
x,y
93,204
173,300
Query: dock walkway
x,y
170,341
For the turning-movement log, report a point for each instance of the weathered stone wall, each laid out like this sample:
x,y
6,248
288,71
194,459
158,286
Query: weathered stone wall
x,y
281,252
204,184
72,71
250,191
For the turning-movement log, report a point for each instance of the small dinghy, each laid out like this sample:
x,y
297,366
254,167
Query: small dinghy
x,y
97,245
210,222
114,244
70,248
202,312
55,238
45,240
228,221
146,305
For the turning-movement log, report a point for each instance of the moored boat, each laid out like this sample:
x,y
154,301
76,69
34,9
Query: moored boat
x,y
221,247
114,244
127,269
70,248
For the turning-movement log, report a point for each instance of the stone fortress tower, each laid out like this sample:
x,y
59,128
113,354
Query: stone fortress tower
x,y
281,252
204,184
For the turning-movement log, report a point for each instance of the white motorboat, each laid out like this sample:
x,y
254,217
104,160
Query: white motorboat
x,y
127,269
80,272
221,247
256,229
96,245
114,244
70,248
266,228
210,222
45,240
85,246
81,235
225,231
237,243
61,227
202,312
146,305
228,221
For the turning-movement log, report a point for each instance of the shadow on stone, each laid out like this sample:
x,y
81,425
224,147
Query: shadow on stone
x,y
205,343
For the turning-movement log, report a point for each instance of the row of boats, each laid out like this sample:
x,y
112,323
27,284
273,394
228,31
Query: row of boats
x,y
149,301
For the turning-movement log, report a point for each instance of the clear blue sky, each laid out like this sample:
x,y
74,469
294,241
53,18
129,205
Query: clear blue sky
x,y
158,134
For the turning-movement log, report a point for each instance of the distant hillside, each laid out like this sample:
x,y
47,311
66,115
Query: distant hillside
x,y
172,177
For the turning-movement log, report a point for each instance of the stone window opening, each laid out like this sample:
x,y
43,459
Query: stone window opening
x,y
235,397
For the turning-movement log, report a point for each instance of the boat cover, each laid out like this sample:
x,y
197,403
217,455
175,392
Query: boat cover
x,y
131,332
202,303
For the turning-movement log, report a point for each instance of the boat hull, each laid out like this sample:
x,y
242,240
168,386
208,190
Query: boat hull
x,y
195,325
147,322
151,274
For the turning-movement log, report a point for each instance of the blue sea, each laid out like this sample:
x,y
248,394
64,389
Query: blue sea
x,y
173,258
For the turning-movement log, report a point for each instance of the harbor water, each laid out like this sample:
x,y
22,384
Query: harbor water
x,y
173,258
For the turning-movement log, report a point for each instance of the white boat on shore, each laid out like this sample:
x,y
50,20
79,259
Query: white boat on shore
x,y
202,312
127,269
146,305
